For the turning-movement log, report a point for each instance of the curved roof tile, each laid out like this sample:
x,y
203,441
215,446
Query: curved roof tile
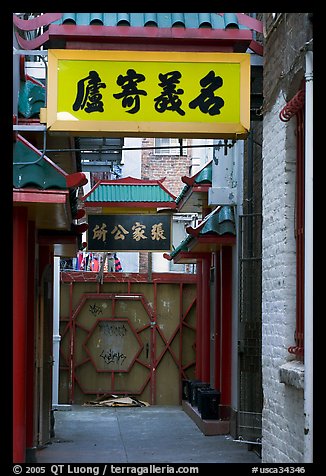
x,y
30,171
216,22
130,190
161,20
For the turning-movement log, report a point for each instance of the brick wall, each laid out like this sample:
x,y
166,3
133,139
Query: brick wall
x,y
283,407
159,166
282,421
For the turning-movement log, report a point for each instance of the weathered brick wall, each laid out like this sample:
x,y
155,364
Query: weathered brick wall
x,y
282,417
159,166
283,408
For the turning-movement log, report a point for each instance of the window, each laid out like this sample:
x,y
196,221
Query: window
x,y
170,146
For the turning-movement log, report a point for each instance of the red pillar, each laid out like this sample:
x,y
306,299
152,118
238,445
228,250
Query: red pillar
x,y
20,249
30,357
205,377
199,321
226,322
217,341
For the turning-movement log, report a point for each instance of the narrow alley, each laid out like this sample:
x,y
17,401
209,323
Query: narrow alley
x,y
154,434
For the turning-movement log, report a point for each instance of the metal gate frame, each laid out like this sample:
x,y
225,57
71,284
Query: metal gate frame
x,y
185,370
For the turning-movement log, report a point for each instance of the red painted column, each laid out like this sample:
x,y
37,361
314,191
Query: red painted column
x,y
205,377
199,321
30,357
217,341
20,250
226,285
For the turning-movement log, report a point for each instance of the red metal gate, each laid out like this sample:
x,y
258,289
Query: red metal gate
x,y
127,336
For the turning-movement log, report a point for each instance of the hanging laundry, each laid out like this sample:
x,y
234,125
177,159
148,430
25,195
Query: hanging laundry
x,y
117,263
111,262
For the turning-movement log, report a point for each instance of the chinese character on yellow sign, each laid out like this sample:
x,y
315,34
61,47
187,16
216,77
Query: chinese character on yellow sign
x,y
155,94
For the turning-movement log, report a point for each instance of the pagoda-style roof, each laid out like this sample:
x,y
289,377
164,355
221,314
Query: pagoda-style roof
x,y
50,195
215,230
194,195
230,32
130,192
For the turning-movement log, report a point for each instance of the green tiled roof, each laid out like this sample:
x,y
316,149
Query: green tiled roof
x,y
182,246
220,223
204,176
31,99
118,192
29,171
160,20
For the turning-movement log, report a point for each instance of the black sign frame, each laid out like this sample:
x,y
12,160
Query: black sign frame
x,y
129,232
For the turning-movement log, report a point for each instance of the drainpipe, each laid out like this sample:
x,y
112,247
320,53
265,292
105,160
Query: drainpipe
x,y
308,264
56,335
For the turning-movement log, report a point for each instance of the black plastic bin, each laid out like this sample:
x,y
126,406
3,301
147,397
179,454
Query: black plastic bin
x,y
186,389
208,403
194,391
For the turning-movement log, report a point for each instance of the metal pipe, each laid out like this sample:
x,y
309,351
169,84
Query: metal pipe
x,y
106,149
30,52
308,264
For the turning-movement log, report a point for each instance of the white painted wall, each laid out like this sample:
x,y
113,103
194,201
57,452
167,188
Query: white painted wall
x,y
283,412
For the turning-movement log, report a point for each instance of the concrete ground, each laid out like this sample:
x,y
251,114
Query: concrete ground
x,y
154,434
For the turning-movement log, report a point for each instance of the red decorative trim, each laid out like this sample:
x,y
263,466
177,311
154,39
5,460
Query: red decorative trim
x,y
37,22
250,22
218,240
256,48
34,43
299,351
79,229
22,68
34,81
27,195
77,179
116,33
15,121
80,213
127,37
293,106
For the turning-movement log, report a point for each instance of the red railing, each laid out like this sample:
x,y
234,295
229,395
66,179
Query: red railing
x,y
295,107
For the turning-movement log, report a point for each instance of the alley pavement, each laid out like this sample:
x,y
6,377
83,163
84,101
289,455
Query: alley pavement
x,y
153,434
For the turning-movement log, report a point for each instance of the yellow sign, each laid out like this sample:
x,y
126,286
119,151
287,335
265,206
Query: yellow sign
x,y
149,94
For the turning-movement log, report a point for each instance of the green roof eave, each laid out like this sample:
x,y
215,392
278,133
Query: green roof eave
x,y
183,246
30,170
220,223
31,98
205,175
130,190
182,194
